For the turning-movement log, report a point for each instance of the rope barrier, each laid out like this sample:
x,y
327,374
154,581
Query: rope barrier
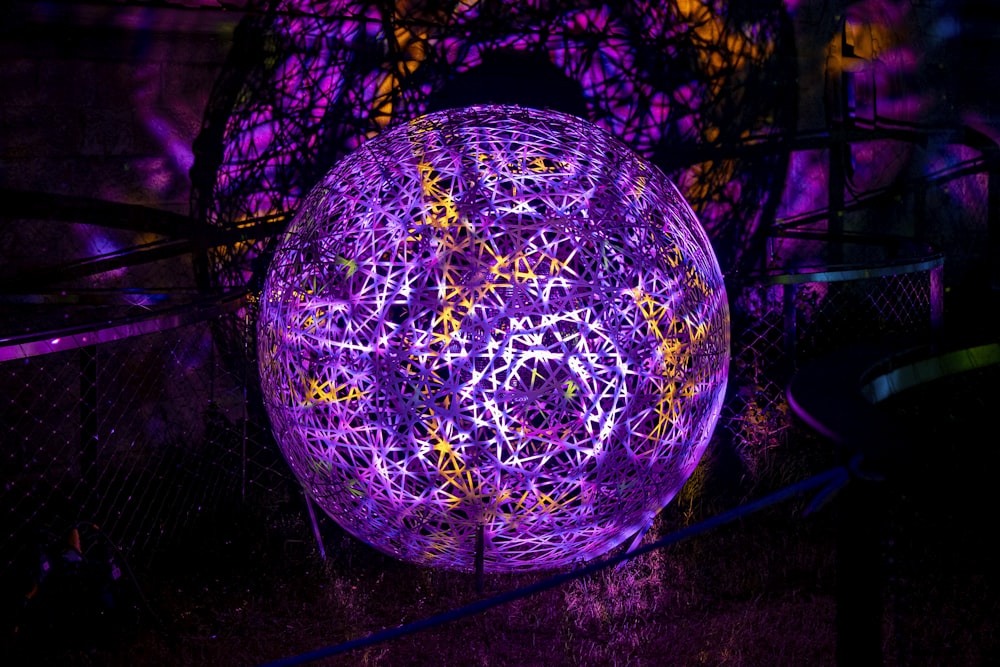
x,y
828,482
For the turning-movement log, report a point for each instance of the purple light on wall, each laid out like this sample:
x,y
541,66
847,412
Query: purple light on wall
x,y
495,321
872,79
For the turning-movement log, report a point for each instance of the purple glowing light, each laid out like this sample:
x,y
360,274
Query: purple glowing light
x,y
494,321
666,77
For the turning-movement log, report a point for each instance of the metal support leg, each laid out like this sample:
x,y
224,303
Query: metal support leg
x,y
480,556
315,525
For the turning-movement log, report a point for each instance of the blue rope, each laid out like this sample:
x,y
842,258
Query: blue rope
x,y
830,481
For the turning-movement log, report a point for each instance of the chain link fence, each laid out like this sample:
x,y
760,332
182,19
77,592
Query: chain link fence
x,y
152,438
785,320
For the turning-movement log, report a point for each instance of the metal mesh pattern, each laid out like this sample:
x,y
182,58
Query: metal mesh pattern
x,y
777,328
832,315
756,414
148,438
494,319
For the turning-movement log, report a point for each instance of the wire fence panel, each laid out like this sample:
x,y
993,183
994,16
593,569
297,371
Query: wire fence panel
x,y
150,438
779,326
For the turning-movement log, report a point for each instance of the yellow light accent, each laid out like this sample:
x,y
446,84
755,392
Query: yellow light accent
x,y
351,264
354,489
743,52
317,392
571,389
322,467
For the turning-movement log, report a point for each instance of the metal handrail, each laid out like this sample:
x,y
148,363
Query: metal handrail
x,y
59,340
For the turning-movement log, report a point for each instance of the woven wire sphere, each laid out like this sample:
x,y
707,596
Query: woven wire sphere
x,y
493,323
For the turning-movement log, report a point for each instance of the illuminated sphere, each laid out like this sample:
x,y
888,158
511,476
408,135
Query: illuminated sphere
x,y
499,322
